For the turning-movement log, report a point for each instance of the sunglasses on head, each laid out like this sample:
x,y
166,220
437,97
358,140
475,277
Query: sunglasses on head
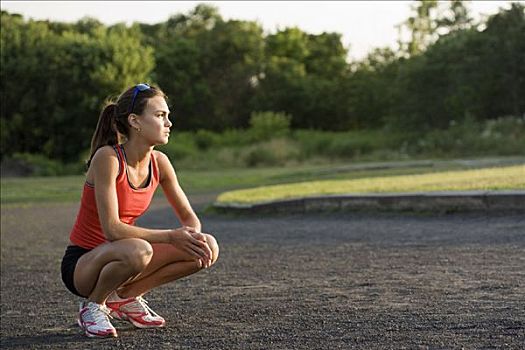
x,y
138,88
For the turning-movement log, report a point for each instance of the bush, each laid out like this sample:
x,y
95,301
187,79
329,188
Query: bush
x,y
502,136
313,143
276,152
508,127
260,156
205,139
180,146
267,125
27,164
346,145
233,138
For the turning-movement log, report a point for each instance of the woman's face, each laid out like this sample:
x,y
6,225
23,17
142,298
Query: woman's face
x,y
154,123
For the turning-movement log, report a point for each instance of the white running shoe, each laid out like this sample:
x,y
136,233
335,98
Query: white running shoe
x,y
136,311
94,321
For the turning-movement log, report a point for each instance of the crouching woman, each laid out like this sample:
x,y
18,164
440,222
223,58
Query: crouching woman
x,y
111,262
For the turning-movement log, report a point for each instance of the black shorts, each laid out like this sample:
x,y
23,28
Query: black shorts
x,y
69,262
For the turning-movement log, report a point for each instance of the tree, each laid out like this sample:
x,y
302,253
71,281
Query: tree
x,y
304,76
503,57
326,55
209,66
456,18
371,88
467,74
53,85
421,26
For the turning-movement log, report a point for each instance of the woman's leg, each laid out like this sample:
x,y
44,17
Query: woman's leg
x,y
168,263
106,267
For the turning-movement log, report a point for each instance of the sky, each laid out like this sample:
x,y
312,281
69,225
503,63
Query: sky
x,y
364,25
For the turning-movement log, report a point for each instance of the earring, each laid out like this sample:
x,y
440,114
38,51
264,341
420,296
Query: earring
x,y
138,129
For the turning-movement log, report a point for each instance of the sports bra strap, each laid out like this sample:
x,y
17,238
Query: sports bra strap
x,y
120,157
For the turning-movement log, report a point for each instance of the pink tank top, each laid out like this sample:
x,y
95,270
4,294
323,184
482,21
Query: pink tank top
x,y
132,203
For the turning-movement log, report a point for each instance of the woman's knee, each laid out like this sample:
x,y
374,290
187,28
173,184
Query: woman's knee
x,y
136,253
214,246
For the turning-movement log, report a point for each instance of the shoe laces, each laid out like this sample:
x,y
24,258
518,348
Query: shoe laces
x,y
141,305
97,313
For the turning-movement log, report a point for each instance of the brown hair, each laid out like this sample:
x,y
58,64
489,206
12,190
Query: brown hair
x,y
113,119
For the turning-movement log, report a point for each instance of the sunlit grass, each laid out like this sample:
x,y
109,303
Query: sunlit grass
x,y
18,191
69,188
503,178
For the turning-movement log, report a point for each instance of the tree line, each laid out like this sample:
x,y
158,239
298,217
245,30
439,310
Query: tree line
x,y
54,76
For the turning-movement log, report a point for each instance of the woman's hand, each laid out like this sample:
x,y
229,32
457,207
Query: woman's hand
x,y
192,242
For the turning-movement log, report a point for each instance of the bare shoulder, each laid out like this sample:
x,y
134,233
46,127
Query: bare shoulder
x,y
104,163
165,167
160,155
105,155
161,158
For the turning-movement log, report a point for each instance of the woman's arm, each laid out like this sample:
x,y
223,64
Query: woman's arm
x,y
175,194
105,170
105,167
179,202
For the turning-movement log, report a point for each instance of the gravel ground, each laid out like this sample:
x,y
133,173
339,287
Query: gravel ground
x,y
323,281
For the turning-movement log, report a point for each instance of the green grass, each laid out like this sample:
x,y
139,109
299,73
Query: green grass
x,y
69,188
41,189
195,181
21,191
502,178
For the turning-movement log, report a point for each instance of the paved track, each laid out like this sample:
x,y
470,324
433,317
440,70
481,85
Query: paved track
x,y
316,281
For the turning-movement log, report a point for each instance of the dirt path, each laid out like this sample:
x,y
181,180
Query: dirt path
x,y
331,281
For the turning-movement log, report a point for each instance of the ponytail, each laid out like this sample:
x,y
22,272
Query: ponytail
x,y
105,133
113,123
